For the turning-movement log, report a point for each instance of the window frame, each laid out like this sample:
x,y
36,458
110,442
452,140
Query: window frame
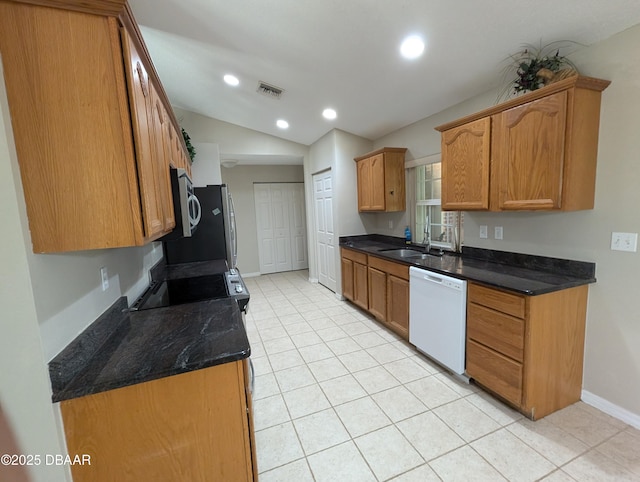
x,y
411,167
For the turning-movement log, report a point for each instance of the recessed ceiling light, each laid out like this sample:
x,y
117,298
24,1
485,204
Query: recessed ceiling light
x,y
412,47
231,80
329,114
282,124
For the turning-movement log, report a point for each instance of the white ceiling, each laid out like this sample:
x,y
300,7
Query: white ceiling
x,y
345,54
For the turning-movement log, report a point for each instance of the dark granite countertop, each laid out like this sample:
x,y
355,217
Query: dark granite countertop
x,y
123,348
521,273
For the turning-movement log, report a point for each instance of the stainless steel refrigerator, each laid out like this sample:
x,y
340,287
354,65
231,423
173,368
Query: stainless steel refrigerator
x,y
215,237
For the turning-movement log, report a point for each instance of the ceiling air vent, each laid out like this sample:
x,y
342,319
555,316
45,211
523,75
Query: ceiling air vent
x,y
269,90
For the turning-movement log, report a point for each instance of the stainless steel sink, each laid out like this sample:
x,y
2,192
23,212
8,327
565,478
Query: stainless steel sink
x,y
402,252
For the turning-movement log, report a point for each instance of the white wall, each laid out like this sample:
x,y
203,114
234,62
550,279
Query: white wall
x,y
240,180
47,300
612,358
233,139
336,150
205,169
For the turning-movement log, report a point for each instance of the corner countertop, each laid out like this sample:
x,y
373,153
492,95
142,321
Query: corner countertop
x,y
124,348
520,273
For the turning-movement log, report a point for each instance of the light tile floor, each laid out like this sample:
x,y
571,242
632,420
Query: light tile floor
x,y
339,398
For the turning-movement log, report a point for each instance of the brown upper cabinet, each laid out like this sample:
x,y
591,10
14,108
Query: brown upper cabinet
x,y
91,124
535,152
381,180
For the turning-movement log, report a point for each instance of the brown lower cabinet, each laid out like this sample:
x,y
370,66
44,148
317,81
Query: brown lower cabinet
x,y
195,426
378,286
527,350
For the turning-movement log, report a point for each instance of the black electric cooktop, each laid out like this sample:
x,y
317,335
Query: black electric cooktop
x,y
186,290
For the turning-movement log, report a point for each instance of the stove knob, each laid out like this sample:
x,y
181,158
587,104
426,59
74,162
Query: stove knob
x,y
238,289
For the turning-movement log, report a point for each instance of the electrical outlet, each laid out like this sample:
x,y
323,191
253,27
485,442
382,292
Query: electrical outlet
x,y
484,231
104,276
624,242
390,224
497,232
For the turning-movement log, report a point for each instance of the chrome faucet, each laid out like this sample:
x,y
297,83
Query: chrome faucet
x,y
426,240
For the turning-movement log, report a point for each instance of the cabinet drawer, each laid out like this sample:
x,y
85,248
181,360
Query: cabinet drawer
x,y
495,372
498,300
396,269
354,256
496,330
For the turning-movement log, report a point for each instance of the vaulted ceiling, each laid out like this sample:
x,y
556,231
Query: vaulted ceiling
x,y
344,54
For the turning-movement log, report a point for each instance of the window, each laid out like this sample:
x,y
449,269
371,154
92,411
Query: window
x,y
427,216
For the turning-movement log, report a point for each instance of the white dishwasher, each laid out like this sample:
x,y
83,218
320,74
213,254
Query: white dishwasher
x,y
438,317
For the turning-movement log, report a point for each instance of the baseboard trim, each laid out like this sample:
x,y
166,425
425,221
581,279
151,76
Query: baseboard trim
x,y
251,275
612,409
314,280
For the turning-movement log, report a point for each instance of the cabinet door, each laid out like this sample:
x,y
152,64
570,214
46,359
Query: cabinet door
x,y
162,158
142,122
465,166
360,286
378,293
529,153
377,183
495,371
364,185
398,305
347,278
192,426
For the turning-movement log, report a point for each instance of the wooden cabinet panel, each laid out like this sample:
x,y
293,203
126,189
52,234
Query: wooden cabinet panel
x,y
365,192
495,371
395,269
379,286
544,335
501,332
381,180
360,285
83,125
537,151
465,166
376,183
70,124
356,256
509,303
143,129
398,305
378,293
529,153
347,278
192,426
162,157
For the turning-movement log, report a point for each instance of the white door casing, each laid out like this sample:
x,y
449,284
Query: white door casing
x,y
326,252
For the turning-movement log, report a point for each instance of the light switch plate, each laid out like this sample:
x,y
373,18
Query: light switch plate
x,y
624,242
497,232
484,231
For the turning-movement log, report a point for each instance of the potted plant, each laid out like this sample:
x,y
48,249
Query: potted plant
x,y
534,67
190,148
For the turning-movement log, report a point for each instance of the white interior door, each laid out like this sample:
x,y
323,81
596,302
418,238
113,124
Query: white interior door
x,y
266,235
323,199
280,201
281,227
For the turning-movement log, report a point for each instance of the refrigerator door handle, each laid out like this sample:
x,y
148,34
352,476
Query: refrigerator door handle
x,y
232,213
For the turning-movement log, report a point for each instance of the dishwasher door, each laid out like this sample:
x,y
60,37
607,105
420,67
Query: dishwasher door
x,y
438,317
